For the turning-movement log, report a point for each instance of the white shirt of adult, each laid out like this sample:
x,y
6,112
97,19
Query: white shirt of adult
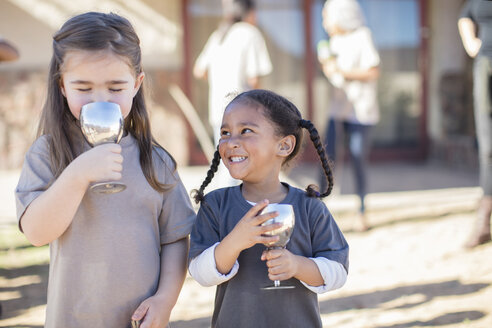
x,y
356,50
229,63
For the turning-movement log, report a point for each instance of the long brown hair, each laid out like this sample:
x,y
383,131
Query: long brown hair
x,y
94,31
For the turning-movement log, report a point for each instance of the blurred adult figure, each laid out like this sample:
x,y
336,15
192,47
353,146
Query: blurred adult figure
x,y
233,59
475,27
352,67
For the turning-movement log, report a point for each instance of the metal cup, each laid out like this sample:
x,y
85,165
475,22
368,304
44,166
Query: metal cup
x,y
102,122
285,216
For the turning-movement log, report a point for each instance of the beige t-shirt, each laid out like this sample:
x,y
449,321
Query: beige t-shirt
x,y
108,260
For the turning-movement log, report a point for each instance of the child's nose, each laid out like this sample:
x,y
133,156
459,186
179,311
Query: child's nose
x,y
233,142
100,96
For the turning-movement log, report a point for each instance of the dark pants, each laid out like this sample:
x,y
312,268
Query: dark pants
x,y
358,146
482,94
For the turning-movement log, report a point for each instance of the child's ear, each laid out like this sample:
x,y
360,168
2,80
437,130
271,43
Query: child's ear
x,y
138,83
62,88
286,145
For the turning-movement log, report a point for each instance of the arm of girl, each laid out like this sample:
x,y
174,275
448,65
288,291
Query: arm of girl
x,y
50,214
247,232
156,310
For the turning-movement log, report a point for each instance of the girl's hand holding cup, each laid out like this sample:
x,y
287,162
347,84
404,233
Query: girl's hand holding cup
x,y
249,230
281,263
100,163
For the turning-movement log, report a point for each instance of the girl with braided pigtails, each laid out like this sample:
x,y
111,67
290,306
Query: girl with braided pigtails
x,y
262,131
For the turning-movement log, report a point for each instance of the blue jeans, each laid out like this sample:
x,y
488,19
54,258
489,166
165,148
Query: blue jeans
x,y
482,94
358,146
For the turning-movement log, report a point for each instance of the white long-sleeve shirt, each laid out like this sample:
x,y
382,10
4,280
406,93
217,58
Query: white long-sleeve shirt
x,y
204,270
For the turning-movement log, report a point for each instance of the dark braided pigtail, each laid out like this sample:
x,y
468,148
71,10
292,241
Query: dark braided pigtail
x,y
198,195
314,135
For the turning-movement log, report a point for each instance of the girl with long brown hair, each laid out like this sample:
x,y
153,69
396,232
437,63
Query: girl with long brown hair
x,y
114,257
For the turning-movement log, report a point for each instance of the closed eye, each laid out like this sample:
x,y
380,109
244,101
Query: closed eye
x,y
115,90
84,89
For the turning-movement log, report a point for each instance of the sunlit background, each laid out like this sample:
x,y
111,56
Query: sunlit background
x,y
410,270
424,89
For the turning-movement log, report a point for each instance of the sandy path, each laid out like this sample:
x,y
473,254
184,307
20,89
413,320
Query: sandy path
x,y
410,270
406,274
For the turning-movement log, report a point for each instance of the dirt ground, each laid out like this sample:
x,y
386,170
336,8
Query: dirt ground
x,y
409,270
412,273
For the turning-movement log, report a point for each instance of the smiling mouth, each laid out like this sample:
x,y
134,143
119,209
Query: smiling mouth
x,y
236,159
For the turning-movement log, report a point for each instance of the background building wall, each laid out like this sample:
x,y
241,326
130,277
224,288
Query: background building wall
x,y
450,115
446,56
30,25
